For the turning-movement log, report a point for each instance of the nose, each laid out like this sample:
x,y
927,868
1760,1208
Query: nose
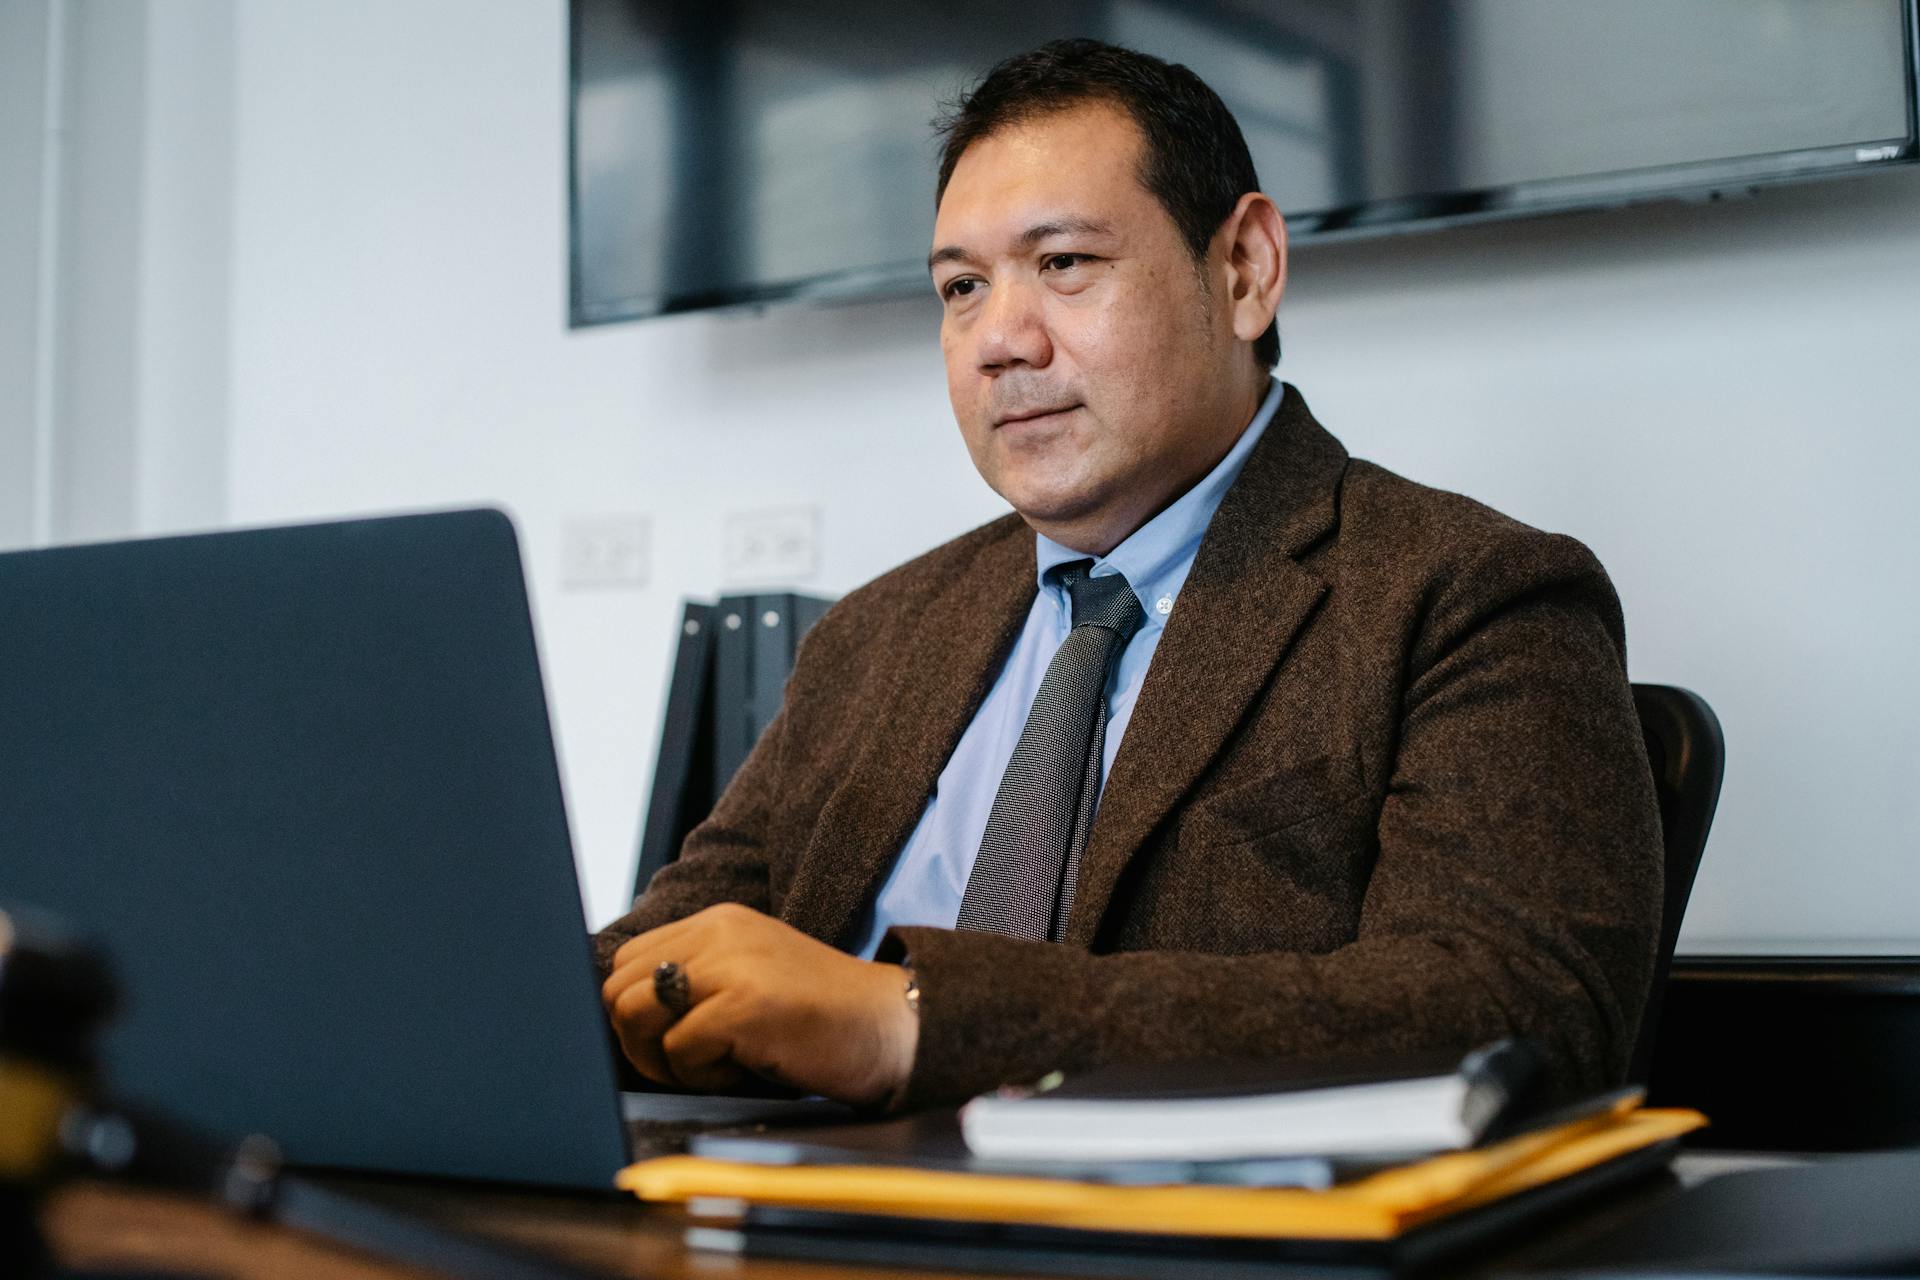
x,y
1013,329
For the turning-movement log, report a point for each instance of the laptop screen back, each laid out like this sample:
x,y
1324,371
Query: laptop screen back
x,y
299,784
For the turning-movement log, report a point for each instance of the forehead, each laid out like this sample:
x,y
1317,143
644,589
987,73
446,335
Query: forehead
x,y
1082,162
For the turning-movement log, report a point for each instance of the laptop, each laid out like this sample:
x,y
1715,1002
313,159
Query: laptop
x,y
299,785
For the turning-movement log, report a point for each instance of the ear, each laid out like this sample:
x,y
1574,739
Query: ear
x,y
1255,239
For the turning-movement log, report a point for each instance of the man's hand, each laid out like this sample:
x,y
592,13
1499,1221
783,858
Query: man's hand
x,y
768,1001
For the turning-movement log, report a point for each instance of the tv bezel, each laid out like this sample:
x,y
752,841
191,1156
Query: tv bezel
x,y
1697,181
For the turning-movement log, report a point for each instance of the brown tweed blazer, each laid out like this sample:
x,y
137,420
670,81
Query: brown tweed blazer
x,y
1383,790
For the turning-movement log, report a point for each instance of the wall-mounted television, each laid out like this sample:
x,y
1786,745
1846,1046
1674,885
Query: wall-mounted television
x,y
744,151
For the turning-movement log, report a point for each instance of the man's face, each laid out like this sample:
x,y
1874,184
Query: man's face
x,y
1087,368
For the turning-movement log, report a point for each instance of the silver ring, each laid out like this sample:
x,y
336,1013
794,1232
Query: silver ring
x,y
671,988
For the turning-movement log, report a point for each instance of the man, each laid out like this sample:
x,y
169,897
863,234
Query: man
x,y
1223,744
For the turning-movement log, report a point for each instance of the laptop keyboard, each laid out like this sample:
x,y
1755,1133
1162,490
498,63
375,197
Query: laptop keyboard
x,y
661,1124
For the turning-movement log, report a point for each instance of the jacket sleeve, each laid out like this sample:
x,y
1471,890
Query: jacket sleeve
x,y
1516,887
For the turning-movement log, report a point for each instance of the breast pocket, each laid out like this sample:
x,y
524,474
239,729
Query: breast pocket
x,y
1278,862
1270,803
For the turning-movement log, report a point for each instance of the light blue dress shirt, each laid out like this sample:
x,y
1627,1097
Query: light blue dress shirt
x,y
929,878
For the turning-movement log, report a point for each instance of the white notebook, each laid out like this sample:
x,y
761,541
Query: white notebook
x,y
1247,1110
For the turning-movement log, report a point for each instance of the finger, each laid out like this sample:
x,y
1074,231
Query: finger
x,y
637,971
641,967
681,934
698,1049
647,943
639,1023
640,955
636,965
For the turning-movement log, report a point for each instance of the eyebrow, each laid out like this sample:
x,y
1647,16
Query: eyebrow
x,y
1032,236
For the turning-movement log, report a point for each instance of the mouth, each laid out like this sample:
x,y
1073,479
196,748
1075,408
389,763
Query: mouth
x,y
1035,415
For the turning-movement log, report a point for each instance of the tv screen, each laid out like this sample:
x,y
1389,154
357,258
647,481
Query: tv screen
x,y
737,151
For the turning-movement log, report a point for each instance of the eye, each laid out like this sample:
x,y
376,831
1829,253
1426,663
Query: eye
x,y
1064,261
959,287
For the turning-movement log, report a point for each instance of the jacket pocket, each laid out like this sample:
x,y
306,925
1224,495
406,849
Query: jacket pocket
x,y
1270,803
1278,863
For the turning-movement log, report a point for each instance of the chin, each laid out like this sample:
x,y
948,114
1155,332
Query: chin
x,y
1054,485
1050,504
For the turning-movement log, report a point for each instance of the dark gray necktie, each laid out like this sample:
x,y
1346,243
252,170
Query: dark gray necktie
x,y
1022,882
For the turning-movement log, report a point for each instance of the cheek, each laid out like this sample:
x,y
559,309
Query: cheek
x,y
966,392
962,375
950,345
1121,350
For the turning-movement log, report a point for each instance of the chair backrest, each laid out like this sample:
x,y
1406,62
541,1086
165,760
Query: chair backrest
x,y
1689,756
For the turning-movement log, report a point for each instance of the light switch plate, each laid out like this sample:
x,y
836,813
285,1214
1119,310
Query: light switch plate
x,y
601,552
772,546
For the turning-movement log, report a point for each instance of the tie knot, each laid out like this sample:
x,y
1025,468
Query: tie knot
x,y
1105,601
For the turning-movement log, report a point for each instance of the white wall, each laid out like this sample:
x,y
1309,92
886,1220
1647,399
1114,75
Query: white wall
x,y
22,160
1720,401
115,181
399,340
1715,398
25,146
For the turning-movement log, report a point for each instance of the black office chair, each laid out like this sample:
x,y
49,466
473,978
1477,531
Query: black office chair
x,y
1689,756
1784,1053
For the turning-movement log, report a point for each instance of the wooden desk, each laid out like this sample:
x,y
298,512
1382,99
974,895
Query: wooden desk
x,y
101,1225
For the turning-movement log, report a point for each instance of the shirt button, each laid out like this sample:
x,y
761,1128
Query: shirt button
x,y
1163,606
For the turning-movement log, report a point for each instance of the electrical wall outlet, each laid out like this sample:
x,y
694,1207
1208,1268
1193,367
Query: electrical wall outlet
x,y
773,546
601,552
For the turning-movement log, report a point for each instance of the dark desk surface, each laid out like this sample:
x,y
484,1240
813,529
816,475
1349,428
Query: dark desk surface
x,y
100,1225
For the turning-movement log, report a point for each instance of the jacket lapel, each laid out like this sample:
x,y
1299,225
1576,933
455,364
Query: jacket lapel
x,y
951,658
1244,601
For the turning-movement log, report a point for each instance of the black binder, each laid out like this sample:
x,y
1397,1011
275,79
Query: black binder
x,y
779,623
733,732
729,676
683,770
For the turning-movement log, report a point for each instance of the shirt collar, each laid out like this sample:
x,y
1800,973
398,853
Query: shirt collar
x,y
1155,557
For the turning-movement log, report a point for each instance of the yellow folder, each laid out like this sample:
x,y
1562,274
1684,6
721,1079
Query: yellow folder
x,y
1378,1207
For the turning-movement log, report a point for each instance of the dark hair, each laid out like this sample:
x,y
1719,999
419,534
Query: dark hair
x,y
1196,162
